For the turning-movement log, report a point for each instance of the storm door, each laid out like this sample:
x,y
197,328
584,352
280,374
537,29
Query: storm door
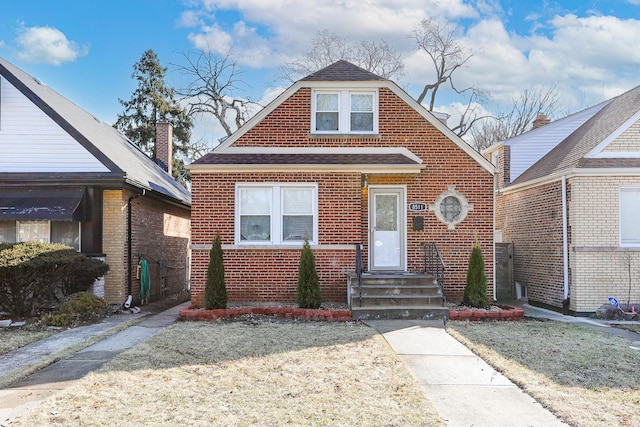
x,y
387,229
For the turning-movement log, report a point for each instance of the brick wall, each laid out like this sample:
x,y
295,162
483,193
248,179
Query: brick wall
x,y
114,232
532,220
599,267
160,234
628,141
270,274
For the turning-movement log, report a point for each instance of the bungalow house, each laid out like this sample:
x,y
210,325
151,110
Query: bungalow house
x,y
568,198
349,161
66,177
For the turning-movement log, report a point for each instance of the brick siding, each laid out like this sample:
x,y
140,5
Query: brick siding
x,y
160,234
270,274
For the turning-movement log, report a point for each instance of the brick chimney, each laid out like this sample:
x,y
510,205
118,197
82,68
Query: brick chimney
x,y
164,145
540,121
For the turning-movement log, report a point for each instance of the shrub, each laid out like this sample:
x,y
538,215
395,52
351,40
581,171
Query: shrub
x,y
308,283
215,291
80,273
475,291
32,273
82,307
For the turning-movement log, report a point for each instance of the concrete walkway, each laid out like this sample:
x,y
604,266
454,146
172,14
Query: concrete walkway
x,y
28,393
464,389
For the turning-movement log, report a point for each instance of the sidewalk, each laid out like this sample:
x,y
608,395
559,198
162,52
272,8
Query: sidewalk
x,y
29,392
464,389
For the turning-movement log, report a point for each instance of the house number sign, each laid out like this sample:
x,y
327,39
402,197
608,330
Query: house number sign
x,y
417,207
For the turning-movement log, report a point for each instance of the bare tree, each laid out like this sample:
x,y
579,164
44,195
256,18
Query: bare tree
x,y
525,107
328,47
214,80
439,41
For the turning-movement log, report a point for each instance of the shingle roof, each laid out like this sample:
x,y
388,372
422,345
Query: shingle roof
x,y
108,145
221,158
342,71
571,151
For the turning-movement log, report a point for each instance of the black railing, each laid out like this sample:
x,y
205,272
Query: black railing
x,y
433,264
359,269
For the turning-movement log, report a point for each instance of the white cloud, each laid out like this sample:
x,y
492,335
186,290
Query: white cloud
x,y
47,45
278,30
587,58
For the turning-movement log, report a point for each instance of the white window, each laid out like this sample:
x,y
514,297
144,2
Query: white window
x,y
67,232
33,231
629,224
276,214
345,112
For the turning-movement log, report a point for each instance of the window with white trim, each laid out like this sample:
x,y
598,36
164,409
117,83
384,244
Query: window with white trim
x,y
344,111
64,232
276,213
629,224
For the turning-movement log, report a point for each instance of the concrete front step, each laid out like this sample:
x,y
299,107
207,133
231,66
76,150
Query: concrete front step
x,y
399,312
378,289
398,300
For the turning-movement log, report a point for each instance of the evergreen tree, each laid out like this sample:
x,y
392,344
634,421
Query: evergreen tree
x,y
475,292
151,102
308,283
215,291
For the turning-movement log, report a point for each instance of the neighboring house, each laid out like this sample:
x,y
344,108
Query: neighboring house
x,y
342,156
68,178
568,199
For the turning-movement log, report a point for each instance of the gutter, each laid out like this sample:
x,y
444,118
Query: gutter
x,y
565,242
127,303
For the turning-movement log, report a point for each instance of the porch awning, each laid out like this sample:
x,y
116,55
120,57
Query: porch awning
x,y
41,203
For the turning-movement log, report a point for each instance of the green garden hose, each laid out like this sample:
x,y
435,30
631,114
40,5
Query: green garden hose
x,y
145,282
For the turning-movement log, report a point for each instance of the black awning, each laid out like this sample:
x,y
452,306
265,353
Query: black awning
x,y
41,203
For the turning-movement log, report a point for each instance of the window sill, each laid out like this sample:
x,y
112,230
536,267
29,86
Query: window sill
x,y
344,135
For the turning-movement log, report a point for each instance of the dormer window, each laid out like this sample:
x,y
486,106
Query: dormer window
x,y
344,111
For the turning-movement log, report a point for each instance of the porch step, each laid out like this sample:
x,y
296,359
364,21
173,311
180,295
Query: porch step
x,y
396,296
399,312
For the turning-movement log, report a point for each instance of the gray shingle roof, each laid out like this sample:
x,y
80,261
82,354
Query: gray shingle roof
x,y
304,159
108,145
342,71
571,151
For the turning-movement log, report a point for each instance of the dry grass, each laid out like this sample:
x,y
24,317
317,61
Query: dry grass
x,y
13,338
248,373
585,377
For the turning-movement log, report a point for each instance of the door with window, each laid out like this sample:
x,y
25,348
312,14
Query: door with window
x,y
387,221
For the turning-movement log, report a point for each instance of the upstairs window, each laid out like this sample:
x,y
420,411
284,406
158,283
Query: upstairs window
x,y
345,112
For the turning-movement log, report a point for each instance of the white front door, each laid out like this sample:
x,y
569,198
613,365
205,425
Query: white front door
x,y
387,228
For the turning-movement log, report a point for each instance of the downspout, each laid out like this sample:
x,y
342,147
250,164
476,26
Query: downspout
x,y
565,244
127,303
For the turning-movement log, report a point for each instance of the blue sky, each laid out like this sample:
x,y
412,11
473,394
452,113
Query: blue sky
x,y
86,49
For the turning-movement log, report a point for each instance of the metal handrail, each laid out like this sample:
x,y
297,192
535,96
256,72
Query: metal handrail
x,y
359,269
434,264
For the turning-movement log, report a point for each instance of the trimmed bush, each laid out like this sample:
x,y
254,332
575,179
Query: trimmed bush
x,y
33,273
475,291
82,307
308,283
215,291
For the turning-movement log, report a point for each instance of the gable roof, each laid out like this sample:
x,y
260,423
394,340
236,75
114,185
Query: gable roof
x,y
529,147
342,71
120,156
610,118
345,73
